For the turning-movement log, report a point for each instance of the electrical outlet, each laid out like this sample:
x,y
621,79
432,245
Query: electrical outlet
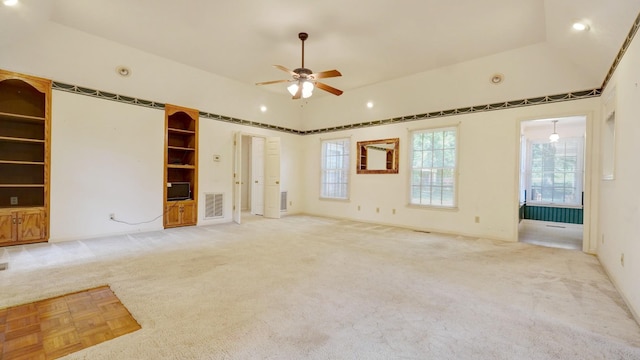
x,y
112,216
622,259
14,200
358,207
377,210
290,203
477,219
393,211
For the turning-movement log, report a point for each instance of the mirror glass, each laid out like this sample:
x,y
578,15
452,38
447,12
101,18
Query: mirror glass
x,y
378,156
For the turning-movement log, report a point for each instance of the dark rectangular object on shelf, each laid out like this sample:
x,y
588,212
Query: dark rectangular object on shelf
x,y
178,191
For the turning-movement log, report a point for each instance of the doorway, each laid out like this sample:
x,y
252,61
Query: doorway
x,y
552,182
252,175
256,176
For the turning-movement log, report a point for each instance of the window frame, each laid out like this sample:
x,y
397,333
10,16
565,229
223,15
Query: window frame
x,y
578,174
454,169
346,169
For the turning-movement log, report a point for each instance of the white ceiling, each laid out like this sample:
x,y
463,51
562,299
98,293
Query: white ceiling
x,y
368,41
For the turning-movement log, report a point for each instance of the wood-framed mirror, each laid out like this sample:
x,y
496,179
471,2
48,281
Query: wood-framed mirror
x,y
378,156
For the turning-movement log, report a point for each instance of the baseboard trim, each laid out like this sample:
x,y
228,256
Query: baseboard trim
x,y
634,313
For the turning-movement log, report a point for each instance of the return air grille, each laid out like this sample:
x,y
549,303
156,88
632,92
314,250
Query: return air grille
x,y
283,201
214,205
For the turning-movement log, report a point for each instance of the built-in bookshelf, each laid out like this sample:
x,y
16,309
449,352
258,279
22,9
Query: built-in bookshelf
x,y
25,119
181,166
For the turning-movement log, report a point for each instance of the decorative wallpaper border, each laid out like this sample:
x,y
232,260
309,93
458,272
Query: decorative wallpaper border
x,y
576,95
249,123
156,105
623,49
105,95
579,95
435,114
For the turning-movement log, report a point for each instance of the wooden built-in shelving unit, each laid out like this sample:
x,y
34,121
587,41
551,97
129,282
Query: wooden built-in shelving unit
x,y
25,128
181,166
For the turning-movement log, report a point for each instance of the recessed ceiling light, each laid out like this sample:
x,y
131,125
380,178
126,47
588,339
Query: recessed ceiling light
x,y
580,26
370,104
263,108
10,2
497,79
123,71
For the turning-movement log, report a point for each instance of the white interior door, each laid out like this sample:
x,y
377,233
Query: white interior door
x,y
237,172
245,179
257,175
272,178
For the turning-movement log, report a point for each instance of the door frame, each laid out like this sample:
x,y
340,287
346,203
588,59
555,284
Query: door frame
x,y
589,242
237,172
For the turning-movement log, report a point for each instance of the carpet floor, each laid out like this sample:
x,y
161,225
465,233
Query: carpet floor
x,y
305,287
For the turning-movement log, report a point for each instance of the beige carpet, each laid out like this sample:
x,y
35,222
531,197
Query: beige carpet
x,y
312,288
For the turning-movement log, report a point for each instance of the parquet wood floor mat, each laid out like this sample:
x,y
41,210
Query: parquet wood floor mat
x,y
56,327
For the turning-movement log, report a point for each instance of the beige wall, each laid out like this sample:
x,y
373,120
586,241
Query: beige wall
x,y
488,158
619,230
107,157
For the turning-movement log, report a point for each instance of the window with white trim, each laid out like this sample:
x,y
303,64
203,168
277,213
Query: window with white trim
x,y
434,167
556,171
334,182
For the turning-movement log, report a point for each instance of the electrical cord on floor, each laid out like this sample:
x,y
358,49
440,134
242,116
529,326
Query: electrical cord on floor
x,y
145,222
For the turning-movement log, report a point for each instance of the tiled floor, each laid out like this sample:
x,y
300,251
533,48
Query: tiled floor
x,y
56,327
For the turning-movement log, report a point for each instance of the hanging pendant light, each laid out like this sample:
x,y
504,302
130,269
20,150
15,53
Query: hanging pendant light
x,y
554,137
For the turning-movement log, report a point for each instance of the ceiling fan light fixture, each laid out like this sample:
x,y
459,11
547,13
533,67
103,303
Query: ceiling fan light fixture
x,y
307,88
304,80
293,88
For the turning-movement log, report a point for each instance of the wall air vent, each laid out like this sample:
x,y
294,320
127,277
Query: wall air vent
x,y
283,201
214,205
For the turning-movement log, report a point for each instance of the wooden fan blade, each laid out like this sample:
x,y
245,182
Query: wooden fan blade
x,y
271,82
298,94
328,88
325,74
285,69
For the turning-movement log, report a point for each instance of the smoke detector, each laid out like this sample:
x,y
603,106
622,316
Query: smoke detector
x,y
496,79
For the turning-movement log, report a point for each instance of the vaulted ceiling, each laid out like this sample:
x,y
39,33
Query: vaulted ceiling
x,y
368,41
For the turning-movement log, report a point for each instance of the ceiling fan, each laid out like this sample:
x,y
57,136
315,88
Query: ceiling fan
x,y
304,80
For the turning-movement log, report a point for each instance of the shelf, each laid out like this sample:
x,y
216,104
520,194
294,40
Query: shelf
x,y
23,140
177,166
22,117
21,162
21,207
185,201
181,131
180,148
21,185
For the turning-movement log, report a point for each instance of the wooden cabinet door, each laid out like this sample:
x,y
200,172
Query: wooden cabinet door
x,y
30,225
172,214
189,213
7,225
